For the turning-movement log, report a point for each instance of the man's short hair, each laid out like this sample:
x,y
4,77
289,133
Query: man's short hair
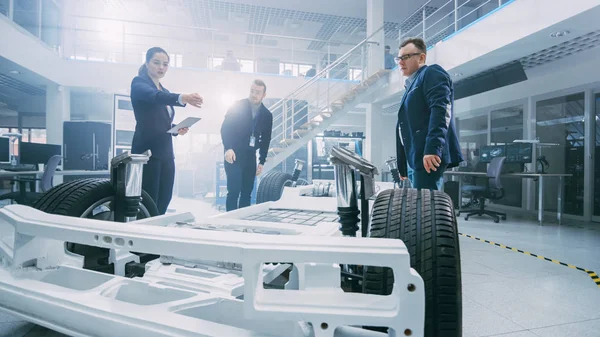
x,y
418,42
260,83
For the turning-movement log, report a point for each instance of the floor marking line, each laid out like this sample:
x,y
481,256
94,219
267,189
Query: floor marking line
x,y
593,275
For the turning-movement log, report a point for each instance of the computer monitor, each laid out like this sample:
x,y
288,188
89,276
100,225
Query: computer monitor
x,y
4,150
35,153
526,153
491,151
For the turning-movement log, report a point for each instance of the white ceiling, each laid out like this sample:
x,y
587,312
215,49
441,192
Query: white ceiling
x,y
340,20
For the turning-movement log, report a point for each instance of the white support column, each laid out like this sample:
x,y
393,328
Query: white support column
x,y
375,137
375,21
58,110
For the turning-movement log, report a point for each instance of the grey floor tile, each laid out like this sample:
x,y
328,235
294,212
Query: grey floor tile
x,y
577,329
15,329
7,318
529,306
479,321
524,333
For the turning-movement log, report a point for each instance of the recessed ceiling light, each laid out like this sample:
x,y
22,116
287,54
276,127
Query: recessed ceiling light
x,y
560,33
457,74
14,72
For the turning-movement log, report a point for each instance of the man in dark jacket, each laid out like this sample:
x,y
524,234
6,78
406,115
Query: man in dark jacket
x,y
247,127
426,138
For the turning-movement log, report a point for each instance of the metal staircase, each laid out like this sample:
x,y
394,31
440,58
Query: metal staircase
x,y
325,98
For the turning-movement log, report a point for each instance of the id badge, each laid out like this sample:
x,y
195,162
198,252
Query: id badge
x,y
252,141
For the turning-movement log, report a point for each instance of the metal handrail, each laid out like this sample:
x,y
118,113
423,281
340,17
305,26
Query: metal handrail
x,y
284,116
324,71
285,119
424,27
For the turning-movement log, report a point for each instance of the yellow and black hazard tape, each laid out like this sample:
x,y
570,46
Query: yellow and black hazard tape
x,y
590,273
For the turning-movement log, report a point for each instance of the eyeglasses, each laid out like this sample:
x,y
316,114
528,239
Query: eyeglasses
x,y
405,57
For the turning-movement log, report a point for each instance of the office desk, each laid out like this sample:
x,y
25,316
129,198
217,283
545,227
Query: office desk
x,y
4,173
539,176
38,174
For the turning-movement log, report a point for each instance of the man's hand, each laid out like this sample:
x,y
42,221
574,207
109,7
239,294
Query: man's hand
x,y
182,131
431,162
259,169
403,178
230,156
192,99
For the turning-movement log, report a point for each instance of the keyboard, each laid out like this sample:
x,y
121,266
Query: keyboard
x,y
18,167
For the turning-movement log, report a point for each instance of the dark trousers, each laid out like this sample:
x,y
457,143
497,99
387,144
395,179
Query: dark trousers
x,y
420,179
158,180
240,181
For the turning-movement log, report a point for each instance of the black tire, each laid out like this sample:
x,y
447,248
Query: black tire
x,y
271,186
76,199
424,220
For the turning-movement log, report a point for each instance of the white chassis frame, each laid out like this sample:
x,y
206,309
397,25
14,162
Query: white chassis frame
x,y
198,287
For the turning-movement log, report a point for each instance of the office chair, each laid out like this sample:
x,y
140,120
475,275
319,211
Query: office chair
x,y
492,190
23,197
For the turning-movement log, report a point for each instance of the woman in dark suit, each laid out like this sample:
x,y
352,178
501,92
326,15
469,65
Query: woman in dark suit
x,y
153,108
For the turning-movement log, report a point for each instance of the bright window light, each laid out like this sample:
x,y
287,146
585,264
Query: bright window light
x,y
227,99
110,30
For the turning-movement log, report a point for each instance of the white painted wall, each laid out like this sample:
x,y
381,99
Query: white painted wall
x,y
504,35
511,23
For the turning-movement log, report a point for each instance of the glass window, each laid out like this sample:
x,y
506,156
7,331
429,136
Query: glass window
x,y
560,121
4,7
26,15
597,159
355,74
506,127
38,136
293,69
247,66
473,135
215,63
50,24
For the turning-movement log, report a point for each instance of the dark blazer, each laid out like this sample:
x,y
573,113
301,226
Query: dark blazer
x,y
237,129
152,118
426,121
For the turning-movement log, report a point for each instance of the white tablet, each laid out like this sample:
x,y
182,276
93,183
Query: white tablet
x,y
186,123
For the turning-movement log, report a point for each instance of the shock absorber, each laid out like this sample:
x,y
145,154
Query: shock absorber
x,y
392,165
126,176
298,165
345,182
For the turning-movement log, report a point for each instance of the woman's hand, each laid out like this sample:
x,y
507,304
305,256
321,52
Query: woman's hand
x,y
182,131
192,99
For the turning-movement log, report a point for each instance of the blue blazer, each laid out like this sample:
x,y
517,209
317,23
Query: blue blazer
x,y
426,121
151,109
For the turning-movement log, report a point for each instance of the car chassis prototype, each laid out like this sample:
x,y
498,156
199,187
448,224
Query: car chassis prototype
x,y
217,276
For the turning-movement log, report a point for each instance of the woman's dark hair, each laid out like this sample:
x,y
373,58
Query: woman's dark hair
x,y
149,55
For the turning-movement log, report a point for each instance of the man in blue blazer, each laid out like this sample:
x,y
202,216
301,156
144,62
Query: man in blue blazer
x,y
426,139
